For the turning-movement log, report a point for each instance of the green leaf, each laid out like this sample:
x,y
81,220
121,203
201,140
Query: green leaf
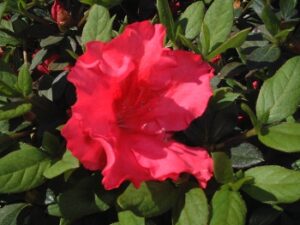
x,y
25,80
150,199
50,40
63,221
270,20
166,18
223,171
273,184
279,96
54,210
98,25
192,210
83,199
228,208
14,109
233,42
7,82
218,20
262,55
67,163
245,155
187,43
8,40
2,8
9,213
127,217
106,3
38,58
282,35
191,19
204,39
283,137
287,8
22,170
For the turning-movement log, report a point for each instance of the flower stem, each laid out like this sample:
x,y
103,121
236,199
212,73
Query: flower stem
x,y
234,140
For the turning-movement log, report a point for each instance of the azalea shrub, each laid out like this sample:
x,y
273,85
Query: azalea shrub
x,y
149,112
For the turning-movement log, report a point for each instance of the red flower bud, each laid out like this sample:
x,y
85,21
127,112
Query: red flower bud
x,y
255,84
60,15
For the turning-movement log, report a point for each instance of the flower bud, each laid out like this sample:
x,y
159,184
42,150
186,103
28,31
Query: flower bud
x,y
60,15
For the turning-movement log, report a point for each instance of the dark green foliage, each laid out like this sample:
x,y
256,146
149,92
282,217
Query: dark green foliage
x,y
251,126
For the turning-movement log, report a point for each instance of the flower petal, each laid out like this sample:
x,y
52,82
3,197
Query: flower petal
x,y
168,159
89,151
121,164
141,158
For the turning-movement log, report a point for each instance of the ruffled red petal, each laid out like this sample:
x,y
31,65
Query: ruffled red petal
x,y
131,93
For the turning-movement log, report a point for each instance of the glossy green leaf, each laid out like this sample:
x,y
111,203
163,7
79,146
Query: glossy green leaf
x,y
25,80
228,208
191,19
223,171
287,8
264,55
14,109
166,17
50,40
54,210
245,155
67,163
98,25
83,199
270,20
127,217
283,35
38,58
7,82
233,42
279,96
150,199
193,209
2,8
218,20
273,184
22,170
9,213
7,40
283,137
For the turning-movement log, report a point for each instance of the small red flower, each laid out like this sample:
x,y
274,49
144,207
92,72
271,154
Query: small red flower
x,y
60,15
132,94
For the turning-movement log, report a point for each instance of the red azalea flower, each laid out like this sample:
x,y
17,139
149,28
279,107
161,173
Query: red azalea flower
x,y
132,93
60,15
